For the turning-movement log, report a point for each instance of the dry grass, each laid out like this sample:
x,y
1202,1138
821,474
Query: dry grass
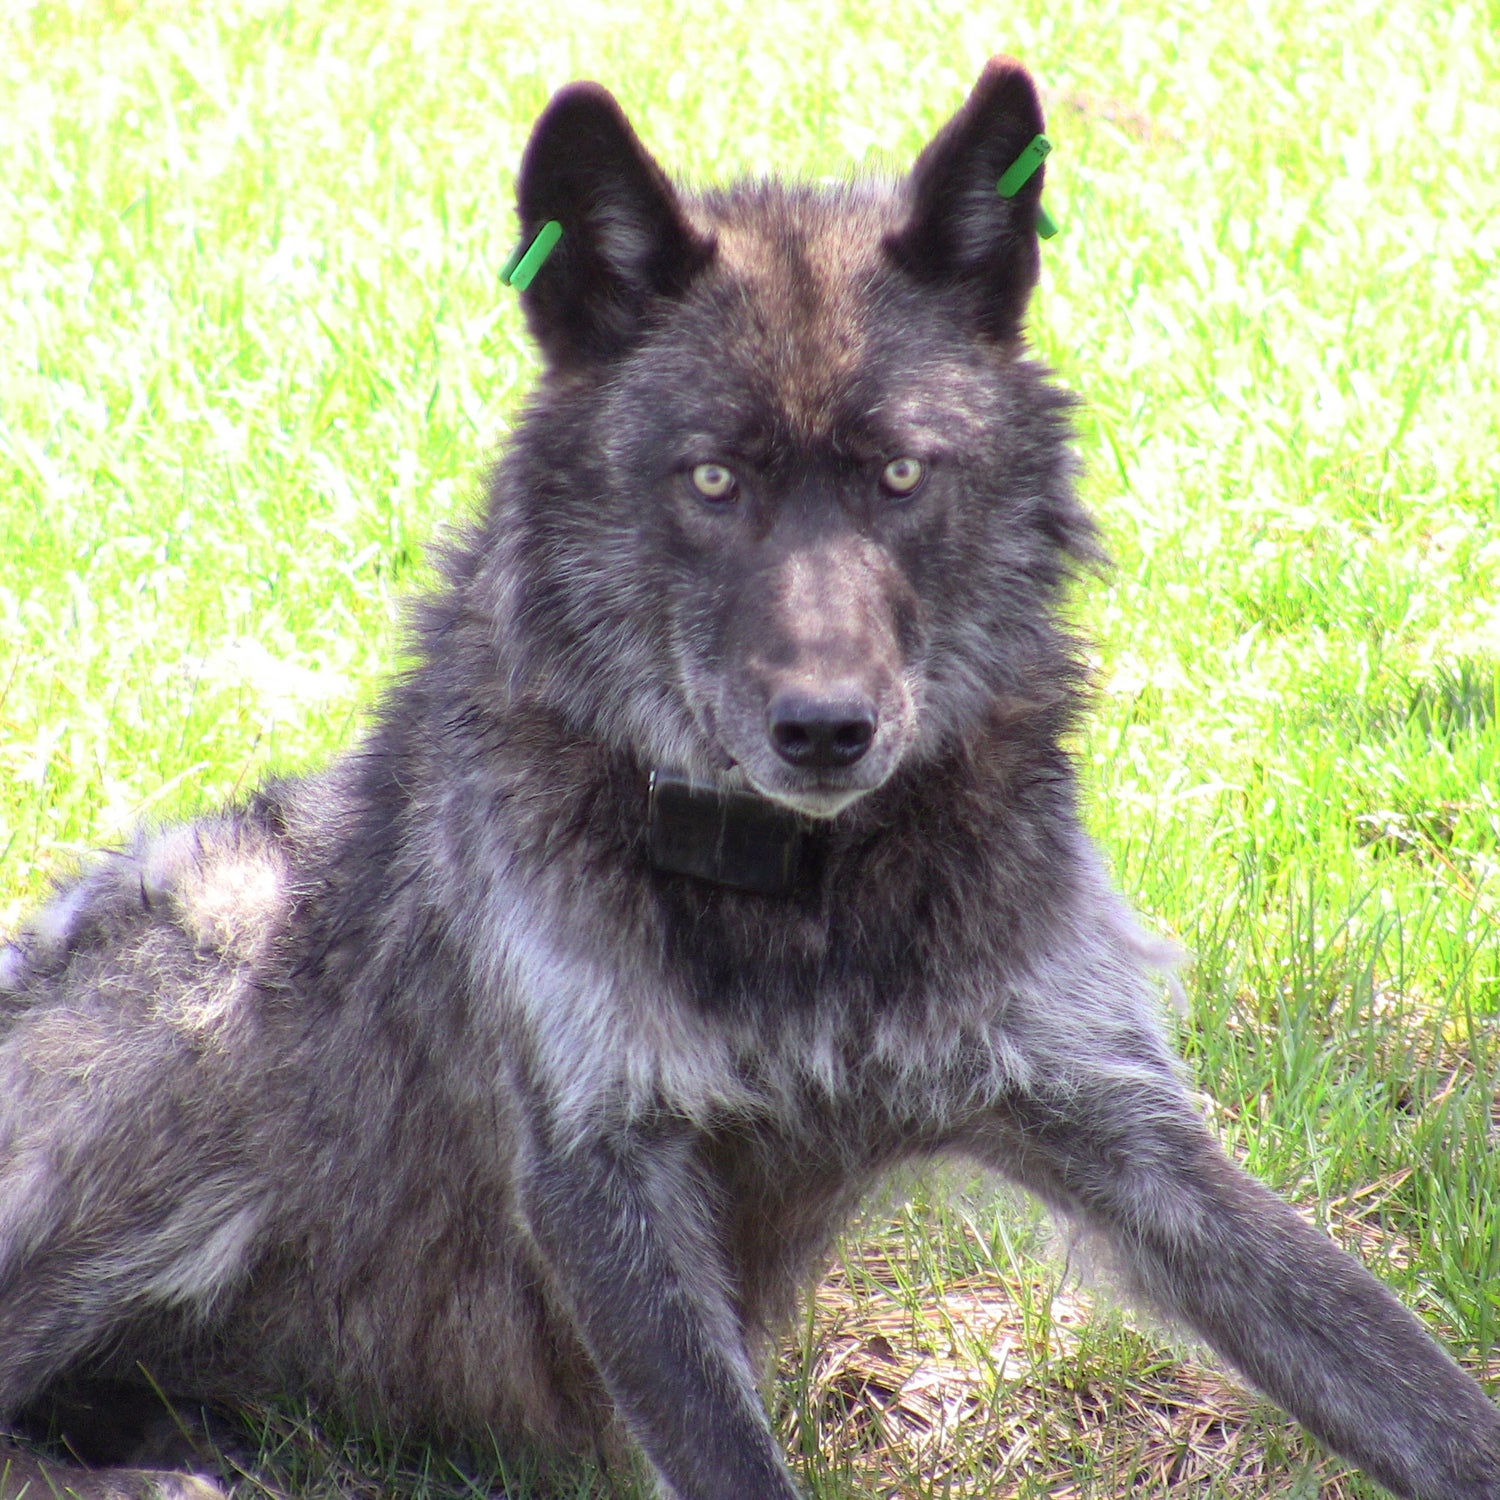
x,y
1015,1387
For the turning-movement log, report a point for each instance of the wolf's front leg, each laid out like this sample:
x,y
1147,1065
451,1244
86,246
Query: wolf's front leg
x,y
1305,1322
626,1227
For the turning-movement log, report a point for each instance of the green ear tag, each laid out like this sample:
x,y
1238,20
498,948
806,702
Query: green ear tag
x,y
527,260
1020,172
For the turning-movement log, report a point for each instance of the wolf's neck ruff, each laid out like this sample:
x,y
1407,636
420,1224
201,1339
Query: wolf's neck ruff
x,y
727,836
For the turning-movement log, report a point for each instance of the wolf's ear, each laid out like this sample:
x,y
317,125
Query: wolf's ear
x,y
960,231
624,242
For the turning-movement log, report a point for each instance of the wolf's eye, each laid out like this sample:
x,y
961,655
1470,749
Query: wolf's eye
x,y
714,482
903,476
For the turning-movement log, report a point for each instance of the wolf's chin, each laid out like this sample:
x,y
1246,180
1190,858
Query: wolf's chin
x,y
810,803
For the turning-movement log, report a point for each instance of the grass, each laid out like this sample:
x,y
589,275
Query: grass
x,y
252,354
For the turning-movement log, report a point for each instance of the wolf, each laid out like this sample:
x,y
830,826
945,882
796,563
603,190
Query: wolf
x,y
718,853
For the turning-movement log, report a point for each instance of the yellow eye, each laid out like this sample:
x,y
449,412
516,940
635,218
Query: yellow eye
x,y
902,476
714,482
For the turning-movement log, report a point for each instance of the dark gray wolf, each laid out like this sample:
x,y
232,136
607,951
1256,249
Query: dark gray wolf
x,y
719,853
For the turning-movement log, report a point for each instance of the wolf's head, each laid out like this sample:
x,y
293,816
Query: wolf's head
x,y
791,503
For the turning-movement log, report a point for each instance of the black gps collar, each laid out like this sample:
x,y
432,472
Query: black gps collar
x,y
731,837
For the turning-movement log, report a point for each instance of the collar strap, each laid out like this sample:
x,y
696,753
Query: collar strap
x,y
730,837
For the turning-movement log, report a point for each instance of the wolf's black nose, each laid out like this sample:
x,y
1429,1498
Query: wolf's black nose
x,y
820,734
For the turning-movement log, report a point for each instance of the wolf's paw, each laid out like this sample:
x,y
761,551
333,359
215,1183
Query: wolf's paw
x,y
26,1477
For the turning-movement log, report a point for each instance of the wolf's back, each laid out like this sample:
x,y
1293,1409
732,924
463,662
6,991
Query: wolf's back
x,y
177,914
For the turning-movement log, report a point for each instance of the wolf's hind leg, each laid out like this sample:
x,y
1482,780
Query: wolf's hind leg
x,y
128,1193
85,1269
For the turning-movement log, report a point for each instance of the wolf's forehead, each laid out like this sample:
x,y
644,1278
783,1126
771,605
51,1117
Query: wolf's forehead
x,y
802,264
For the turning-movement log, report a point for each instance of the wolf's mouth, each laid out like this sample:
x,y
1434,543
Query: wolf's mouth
x,y
814,801
809,800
